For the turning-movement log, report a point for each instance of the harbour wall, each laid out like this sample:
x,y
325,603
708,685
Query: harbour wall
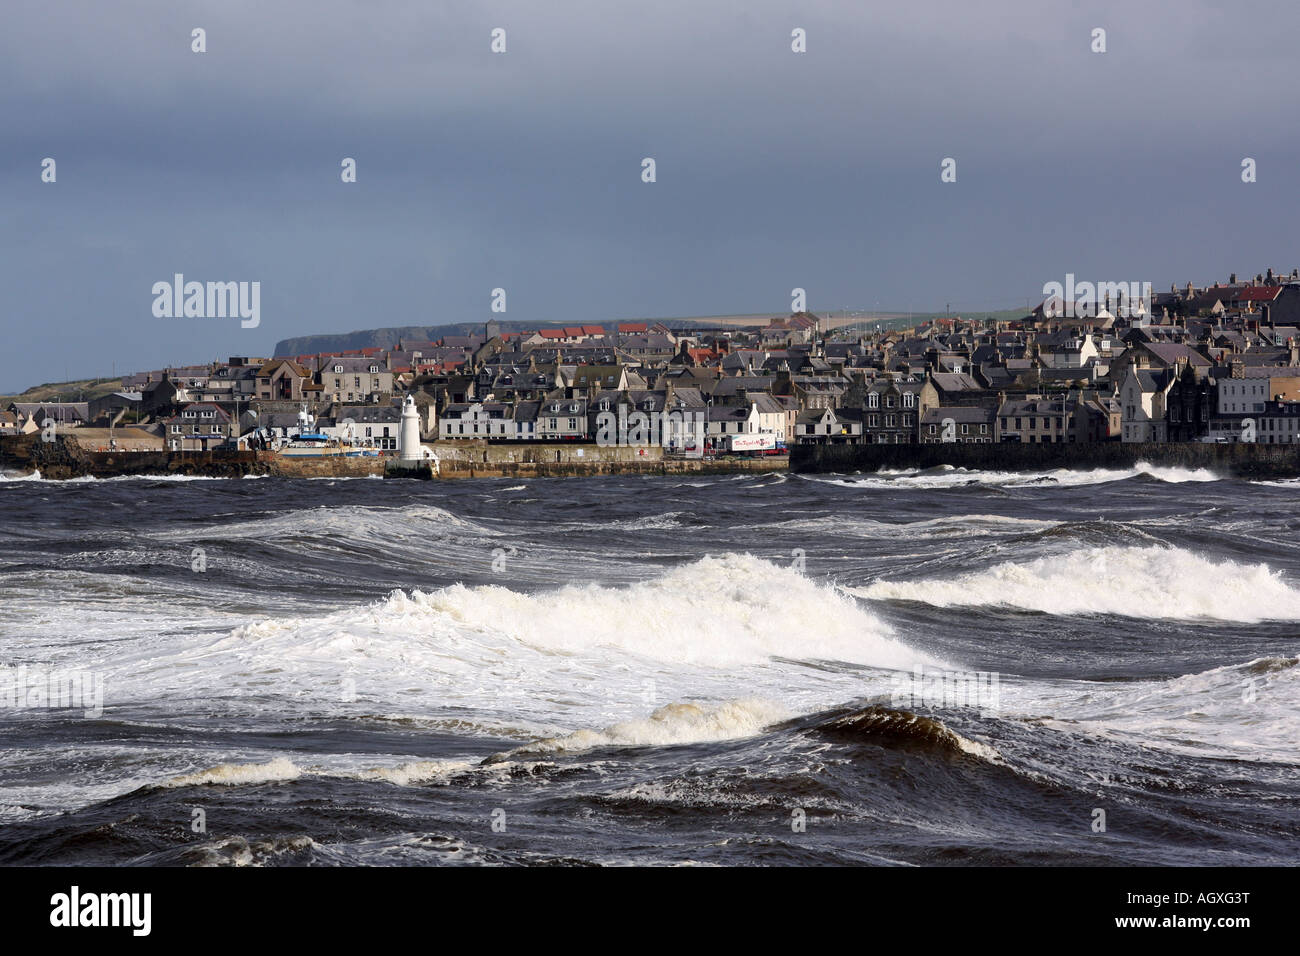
x,y
477,458
1234,460
65,458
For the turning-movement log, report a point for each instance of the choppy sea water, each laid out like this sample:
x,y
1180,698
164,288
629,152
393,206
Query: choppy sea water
x,y
710,670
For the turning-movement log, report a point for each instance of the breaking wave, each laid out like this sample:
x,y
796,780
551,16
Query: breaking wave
x,y
233,774
715,612
947,476
1140,582
670,725
902,729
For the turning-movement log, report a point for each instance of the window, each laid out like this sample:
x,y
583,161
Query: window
x,y
338,369
965,429
873,400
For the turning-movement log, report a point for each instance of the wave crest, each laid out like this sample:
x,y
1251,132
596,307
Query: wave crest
x,y
1141,582
902,729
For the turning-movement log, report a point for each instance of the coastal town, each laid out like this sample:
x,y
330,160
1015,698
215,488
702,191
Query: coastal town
x,y
1217,363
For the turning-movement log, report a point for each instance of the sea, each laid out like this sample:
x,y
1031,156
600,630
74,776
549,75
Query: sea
x,y
933,668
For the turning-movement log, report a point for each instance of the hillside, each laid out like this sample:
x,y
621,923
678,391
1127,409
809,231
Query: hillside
x,y
389,337
79,391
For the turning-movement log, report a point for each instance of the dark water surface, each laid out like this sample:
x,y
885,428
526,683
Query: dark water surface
x,y
654,670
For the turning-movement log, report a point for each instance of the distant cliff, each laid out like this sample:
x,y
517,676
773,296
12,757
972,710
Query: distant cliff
x,y
373,338
388,338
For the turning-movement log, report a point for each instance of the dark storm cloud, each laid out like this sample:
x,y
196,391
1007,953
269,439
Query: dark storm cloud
x,y
775,170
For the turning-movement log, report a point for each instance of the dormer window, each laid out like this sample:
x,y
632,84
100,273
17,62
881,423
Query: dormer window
x,y
338,369
374,370
873,400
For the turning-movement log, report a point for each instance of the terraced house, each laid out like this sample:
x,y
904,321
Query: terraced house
x,y
962,424
200,426
1035,420
354,379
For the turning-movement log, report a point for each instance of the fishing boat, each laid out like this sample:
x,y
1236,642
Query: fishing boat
x,y
310,443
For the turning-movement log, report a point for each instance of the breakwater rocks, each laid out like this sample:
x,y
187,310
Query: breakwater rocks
x,y
1235,460
65,458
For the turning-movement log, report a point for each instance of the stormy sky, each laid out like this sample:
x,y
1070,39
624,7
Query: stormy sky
x,y
522,170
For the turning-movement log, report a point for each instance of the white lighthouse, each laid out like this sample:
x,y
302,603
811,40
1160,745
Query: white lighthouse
x,y
408,445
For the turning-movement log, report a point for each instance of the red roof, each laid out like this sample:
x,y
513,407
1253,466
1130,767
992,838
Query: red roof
x,y
573,331
632,327
1258,293
551,333
593,330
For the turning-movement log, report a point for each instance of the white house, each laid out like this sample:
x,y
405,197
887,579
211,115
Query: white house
x,y
1143,403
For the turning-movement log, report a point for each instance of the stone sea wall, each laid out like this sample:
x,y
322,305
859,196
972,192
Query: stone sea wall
x,y
63,458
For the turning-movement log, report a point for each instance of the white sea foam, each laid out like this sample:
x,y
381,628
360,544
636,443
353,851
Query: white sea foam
x,y
1239,711
952,526
356,523
947,476
714,612
1144,582
233,774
